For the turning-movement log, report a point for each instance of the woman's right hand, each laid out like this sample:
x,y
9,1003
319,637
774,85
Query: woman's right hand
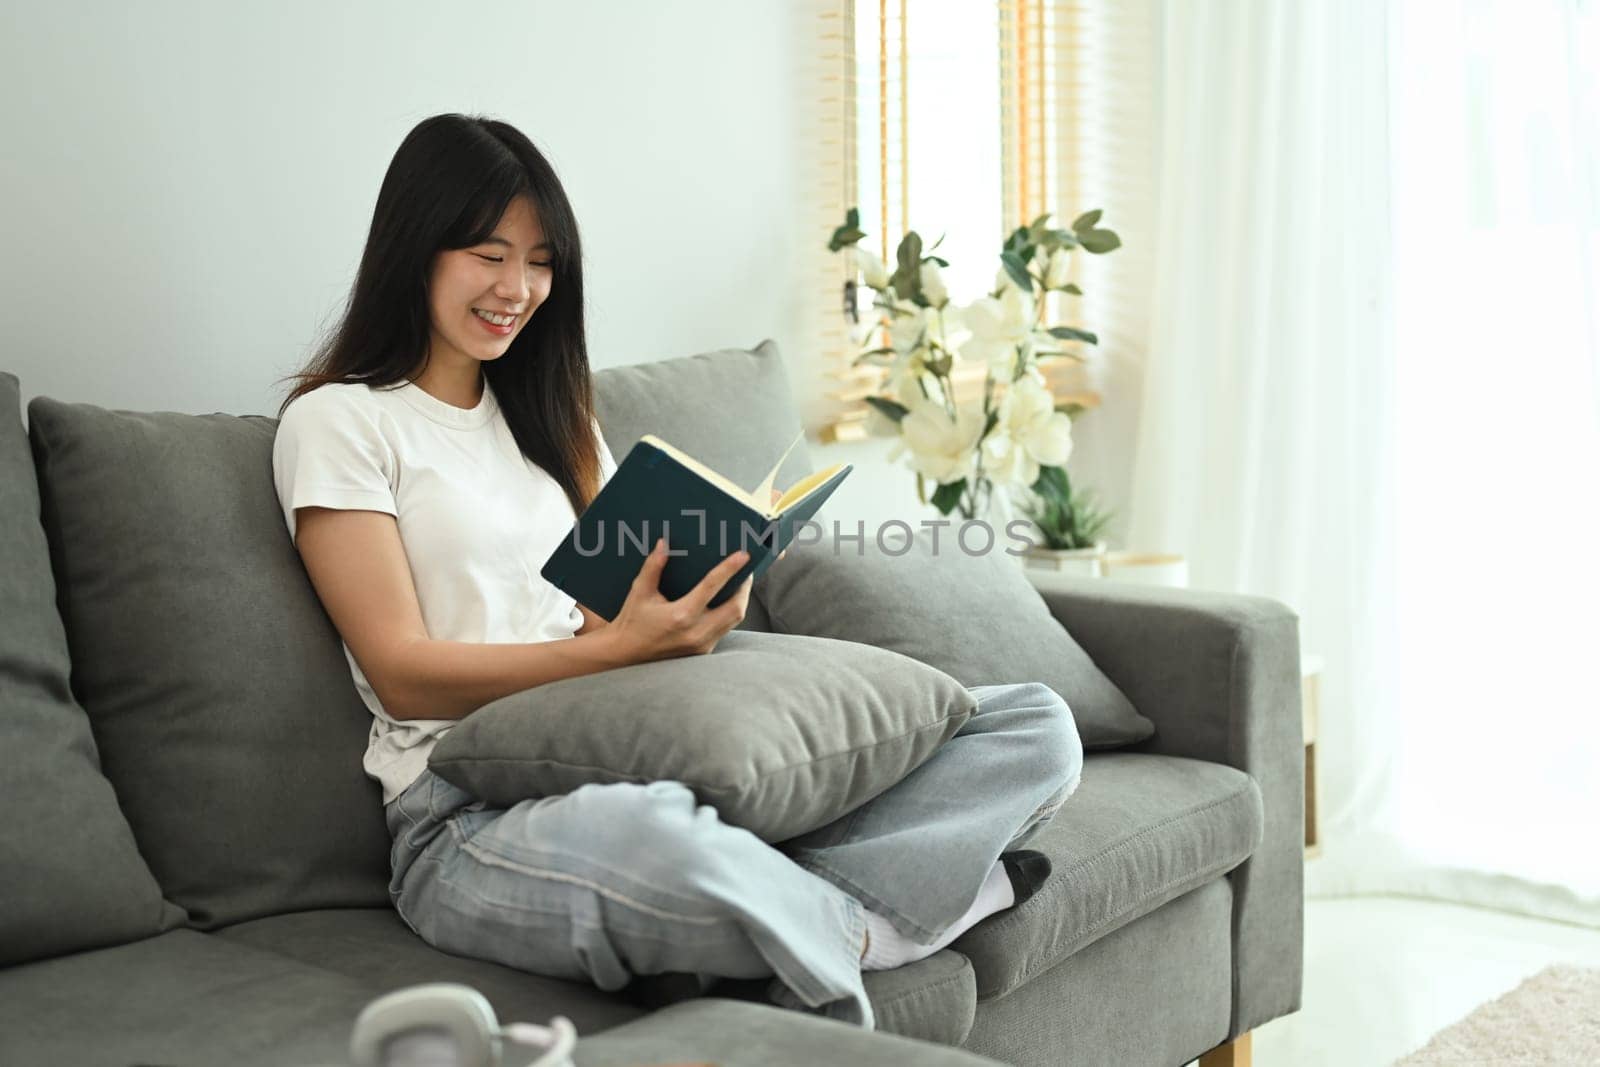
x,y
651,627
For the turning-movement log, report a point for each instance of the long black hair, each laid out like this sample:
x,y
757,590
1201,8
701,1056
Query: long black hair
x,y
449,183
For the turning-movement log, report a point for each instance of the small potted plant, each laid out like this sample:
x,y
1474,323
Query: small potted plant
x,y
1069,525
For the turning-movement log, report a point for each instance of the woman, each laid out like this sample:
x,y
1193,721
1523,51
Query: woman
x,y
429,459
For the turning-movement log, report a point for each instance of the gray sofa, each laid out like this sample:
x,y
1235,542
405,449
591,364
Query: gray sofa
x,y
194,867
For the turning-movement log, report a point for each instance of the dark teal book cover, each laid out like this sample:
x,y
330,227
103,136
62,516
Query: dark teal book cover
x,y
658,491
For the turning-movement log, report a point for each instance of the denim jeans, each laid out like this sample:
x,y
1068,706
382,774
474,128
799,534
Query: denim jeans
x,y
611,881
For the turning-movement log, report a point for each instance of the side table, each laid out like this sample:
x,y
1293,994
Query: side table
x,y
1310,701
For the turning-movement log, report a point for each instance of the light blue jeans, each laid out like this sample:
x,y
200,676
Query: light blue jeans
x,y
611,881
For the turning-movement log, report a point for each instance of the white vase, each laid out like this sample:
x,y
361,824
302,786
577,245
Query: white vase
x,y
1051,568
1146,568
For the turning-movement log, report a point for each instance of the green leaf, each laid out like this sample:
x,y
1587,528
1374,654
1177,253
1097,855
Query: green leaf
x,y
1100,242
906,281
1018,239
909,254
948,495
1086,221
1017,267
1071,288
852,218
907,285
1069,333
891,408
994,417
844,235
1052,484
922,493
936,259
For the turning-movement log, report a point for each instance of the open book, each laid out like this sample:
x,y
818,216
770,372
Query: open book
x,y
661,491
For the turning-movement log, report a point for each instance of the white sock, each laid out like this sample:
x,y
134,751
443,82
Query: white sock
x,y
888,948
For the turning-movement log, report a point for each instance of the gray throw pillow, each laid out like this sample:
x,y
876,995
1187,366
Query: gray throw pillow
x,y
973,616
223,708
780,734
71,877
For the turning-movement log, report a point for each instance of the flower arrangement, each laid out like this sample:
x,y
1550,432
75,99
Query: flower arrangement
x,y
1015,438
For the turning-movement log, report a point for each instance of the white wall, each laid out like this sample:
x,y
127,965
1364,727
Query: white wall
x,y
186,186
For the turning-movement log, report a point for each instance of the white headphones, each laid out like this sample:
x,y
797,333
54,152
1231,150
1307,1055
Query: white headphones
x,y
447,1024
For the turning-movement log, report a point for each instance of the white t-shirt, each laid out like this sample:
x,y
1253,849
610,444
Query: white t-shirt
x,y
476,517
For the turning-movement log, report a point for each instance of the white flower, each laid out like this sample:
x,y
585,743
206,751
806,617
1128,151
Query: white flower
x,y
903,387
948,325
1058,270
1029,434
908,388
873,273
908,327
998,326
1005,461
933,287
941,448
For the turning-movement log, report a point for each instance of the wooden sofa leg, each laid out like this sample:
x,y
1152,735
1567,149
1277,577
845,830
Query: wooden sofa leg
x,y
1235,1053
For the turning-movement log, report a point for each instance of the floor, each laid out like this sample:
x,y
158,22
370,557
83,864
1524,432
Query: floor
x,y
1384,974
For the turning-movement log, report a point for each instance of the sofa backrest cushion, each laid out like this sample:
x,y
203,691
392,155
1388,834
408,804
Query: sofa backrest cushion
x,y
732,410
226,715
71,877
956,600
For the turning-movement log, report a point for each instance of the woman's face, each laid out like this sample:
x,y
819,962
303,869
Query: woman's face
x,y
507,276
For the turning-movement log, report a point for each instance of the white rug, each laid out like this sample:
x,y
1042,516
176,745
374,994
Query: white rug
x,y
1552,1018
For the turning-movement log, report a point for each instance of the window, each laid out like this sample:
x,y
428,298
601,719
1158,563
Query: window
x,y
955,119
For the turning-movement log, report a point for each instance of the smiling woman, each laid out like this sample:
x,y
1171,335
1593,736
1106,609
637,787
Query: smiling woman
x,y
434,454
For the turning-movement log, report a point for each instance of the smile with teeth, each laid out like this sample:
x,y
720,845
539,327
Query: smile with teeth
x,y
498,320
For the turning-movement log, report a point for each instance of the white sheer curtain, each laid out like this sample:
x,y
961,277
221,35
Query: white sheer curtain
x,y
1264,431
1497,272
1369,391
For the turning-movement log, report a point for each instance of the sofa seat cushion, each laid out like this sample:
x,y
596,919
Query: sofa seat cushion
x,y
375,947
933,999
1156,992
1140,830
182,997
735,1033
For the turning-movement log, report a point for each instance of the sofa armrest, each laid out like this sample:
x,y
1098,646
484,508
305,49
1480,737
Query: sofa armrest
x,y
1219,675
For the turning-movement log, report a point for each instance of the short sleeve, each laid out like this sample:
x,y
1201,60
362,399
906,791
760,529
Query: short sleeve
x,y
330,452
608,463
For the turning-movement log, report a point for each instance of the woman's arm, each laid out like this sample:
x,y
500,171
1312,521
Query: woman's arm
x,y
430,679
359,569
